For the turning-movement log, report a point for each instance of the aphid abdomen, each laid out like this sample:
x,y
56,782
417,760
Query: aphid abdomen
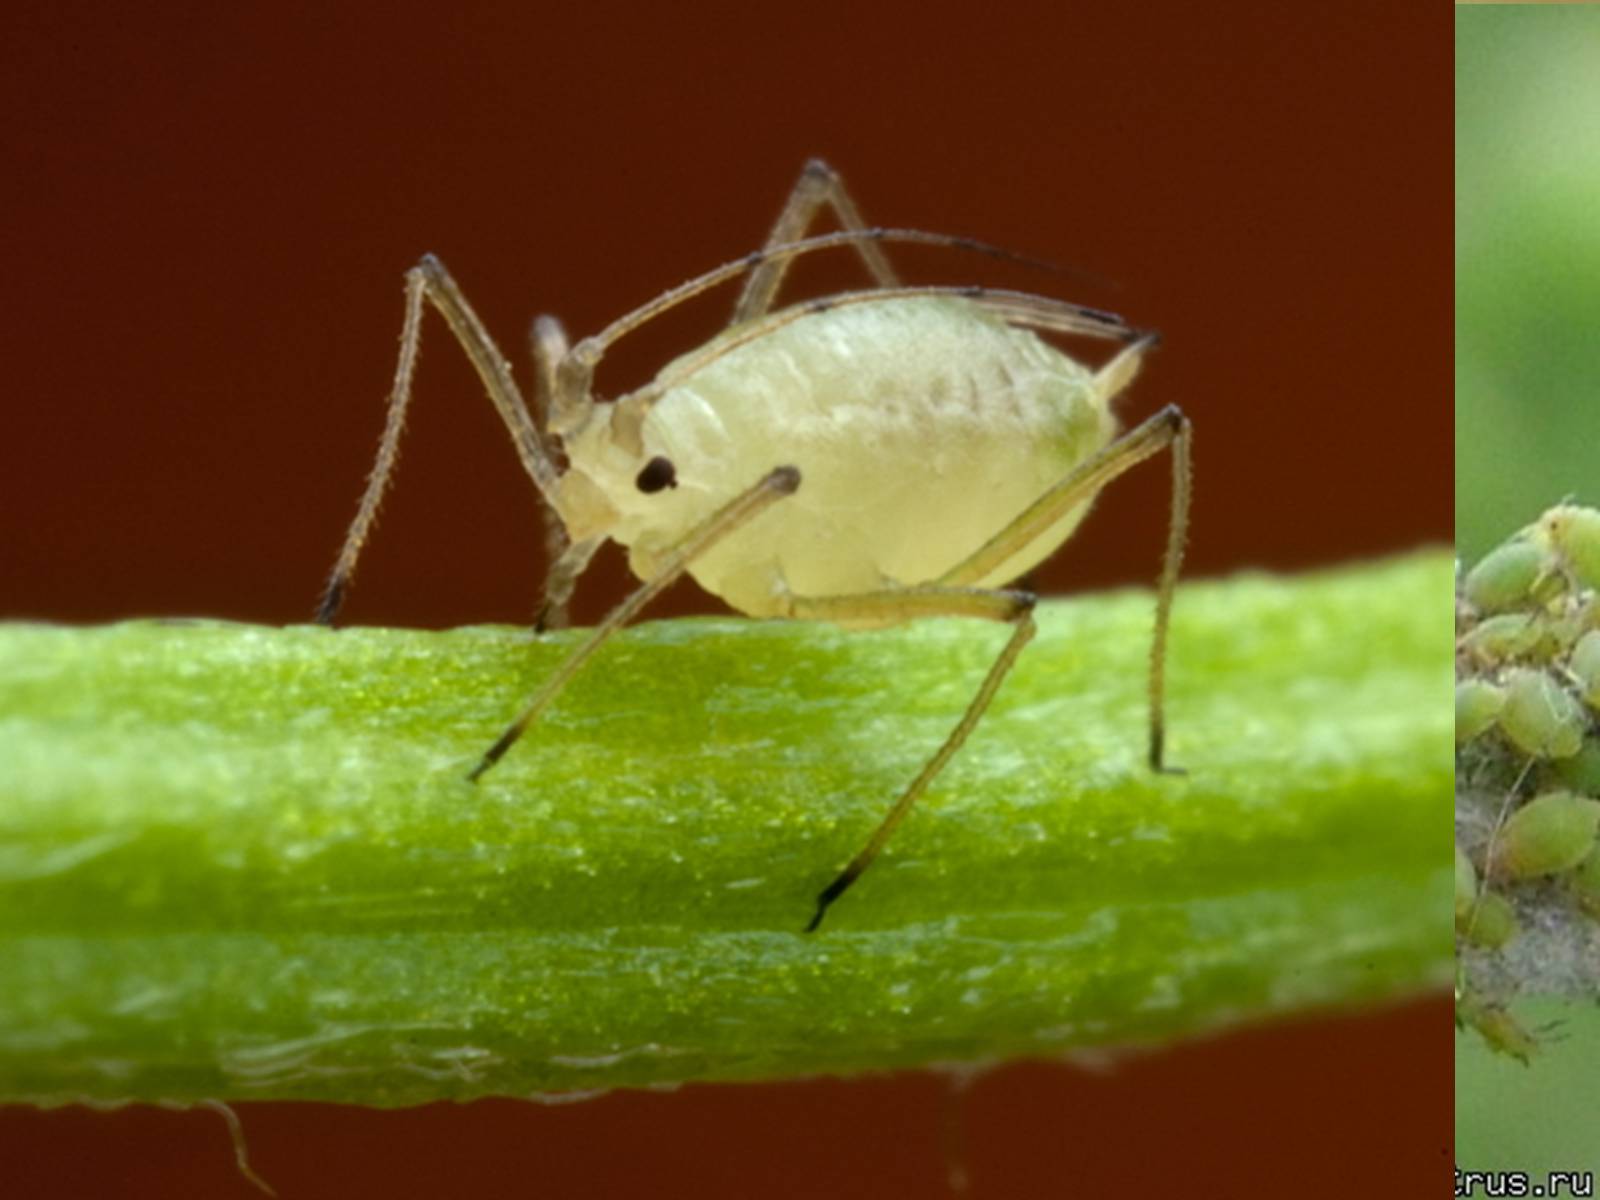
x,y
920,427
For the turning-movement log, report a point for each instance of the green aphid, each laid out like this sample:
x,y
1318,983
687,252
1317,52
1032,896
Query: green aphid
x,y
1574,534
1508,637
1496,1025
1508,577
1490,923
1549,834
1581,772
1585,667
1478,703
1566,627
1466,886
1539,716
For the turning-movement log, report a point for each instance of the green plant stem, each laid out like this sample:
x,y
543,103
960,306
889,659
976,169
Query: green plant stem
x,y
245,863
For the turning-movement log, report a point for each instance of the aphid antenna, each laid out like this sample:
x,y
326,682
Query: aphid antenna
x,y
591,348
575,372
1015,308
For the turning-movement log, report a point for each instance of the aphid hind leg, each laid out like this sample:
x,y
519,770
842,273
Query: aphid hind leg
x,y
818,184
929,600
429,282
1169,428
770,488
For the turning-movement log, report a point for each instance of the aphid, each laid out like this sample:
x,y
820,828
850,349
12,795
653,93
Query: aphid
x,y
1506,577
866,458
1551,833
1584,667
1478,704
1491,923
1539,717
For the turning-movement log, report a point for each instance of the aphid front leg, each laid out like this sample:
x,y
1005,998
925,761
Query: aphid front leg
x,y
1168,428
818,184
930,600
429,281
561,576
564,561
754,500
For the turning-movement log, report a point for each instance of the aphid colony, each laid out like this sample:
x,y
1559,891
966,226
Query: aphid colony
x,y
865,458
1527,737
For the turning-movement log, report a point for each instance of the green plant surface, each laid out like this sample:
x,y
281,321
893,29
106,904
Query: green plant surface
x,y
245,863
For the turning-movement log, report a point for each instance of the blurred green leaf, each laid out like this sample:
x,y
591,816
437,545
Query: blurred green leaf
x,y
1527,265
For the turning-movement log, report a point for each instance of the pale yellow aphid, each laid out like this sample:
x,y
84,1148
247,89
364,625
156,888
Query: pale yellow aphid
x,y
865,458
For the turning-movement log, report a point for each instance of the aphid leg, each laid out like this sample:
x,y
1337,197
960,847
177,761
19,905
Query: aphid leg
x,y
818,184
929,600
772,487
564,562
429,281
1168,428
560,578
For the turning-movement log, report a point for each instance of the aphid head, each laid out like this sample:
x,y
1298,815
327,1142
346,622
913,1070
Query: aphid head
x,y
615,483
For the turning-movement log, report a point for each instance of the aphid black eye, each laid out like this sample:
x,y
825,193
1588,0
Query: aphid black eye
x,y
658,473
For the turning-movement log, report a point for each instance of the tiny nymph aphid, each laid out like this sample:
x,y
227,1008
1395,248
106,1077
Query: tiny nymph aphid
x,y
866,458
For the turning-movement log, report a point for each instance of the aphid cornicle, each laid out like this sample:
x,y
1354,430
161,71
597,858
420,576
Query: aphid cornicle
x,y
865,458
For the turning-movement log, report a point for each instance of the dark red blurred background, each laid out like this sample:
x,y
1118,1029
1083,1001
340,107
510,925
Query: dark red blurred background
x,y
206,219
